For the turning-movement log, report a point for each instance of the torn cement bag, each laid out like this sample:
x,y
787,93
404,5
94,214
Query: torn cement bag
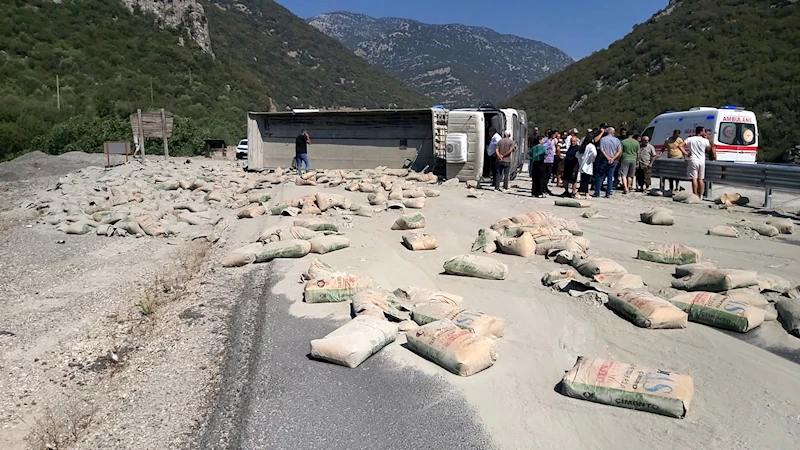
x,y
310,208
750,295
319,269
591,266
523,246
690,269
409,222
646,310
295,248
420,241
328,201
327,244
242,256
719,311
409,297
789,314
502,223
573,203
336,288
723,231
458,350
760,228
552,277
784,226
316,224
259,197
728,199
361,210
81,227
290,211
378,303
475,321
531,218
620,281
572,244
251,212
629,386
773,283
150,225
716,280
670,254
414,203
431,192
476,266
486,241
658,216
129,227
352,343
289,233
377,199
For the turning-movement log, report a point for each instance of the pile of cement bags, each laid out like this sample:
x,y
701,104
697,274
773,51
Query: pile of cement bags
x,y
529,234
436,324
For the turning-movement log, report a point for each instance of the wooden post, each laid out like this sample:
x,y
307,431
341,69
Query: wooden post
x,y
58,93
164,133
141,132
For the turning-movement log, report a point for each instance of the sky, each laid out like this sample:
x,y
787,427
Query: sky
x,y
578,27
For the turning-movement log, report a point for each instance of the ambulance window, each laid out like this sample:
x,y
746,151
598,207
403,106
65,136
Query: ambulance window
x,y
649,133
748,134
728,133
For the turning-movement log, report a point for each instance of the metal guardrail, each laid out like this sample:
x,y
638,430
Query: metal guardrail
x,y
766,176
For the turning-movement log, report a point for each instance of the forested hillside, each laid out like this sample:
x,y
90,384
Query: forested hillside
x,y
692,53
111,60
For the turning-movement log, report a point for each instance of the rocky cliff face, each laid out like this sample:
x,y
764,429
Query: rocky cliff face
x,y
187,15
455,65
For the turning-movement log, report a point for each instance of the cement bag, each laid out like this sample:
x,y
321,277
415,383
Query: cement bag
x,y
378,303
670,254
335,288
748,295
523,246
150,225
352,343
502,223
361,210
192,207
420,241
278,209
129,227
301,182
259,197
728,199
414,203
690,269
575,245
319,269
477,322
309,176
409,222
414,193
476,266
716,280
396,172
645,310
197,184
573,203
784,226
290,211
591,266
773,283
78,228
367,188
486,241
658,216
242,256
532,218
397,192
169,185
681,196
285,249
724,231
620,281
410,297
543,233
376,199
327,244
251,212
554,276
434,193
459,351
789,314
289,233
629,386
760,228
310,208
316,224
719,311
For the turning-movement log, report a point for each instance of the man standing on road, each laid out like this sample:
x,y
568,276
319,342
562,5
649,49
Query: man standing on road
x,y
505,148
647,157
536,155
630,153
675,148
552,147
491,151
301,151
608,154
696,155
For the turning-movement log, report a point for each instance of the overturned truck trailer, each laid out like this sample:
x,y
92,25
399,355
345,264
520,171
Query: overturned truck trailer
x,y
365,139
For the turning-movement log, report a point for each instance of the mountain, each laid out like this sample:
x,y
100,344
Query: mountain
x,y
208,62
691,53
455,65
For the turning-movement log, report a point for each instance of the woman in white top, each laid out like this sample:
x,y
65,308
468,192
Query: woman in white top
x,y
586,157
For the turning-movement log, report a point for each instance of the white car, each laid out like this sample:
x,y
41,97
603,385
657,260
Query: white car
x,y
241,149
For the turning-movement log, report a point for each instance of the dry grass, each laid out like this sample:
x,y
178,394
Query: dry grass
x,y
61,425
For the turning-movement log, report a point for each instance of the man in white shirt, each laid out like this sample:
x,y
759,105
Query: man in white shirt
x,y
696,147
491,151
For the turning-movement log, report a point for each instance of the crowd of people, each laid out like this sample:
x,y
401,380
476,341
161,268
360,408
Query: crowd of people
x,y
624,160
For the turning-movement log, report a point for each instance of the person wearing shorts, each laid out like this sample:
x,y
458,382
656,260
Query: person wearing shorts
x,y
630,153
696,147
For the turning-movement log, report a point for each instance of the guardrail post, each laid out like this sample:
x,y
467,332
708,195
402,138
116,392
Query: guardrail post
x,y
661,183
768,198
708,194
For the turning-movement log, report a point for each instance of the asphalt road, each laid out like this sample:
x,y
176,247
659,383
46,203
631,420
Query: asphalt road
x,y
273,397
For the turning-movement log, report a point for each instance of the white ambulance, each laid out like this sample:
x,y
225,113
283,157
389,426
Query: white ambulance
x,y
734,130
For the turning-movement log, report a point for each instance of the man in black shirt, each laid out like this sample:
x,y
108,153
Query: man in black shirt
x,y
301,151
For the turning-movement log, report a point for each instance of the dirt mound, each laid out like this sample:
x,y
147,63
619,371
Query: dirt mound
x,y
38,164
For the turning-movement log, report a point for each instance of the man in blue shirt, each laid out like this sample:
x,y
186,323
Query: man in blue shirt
x,y
608,153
